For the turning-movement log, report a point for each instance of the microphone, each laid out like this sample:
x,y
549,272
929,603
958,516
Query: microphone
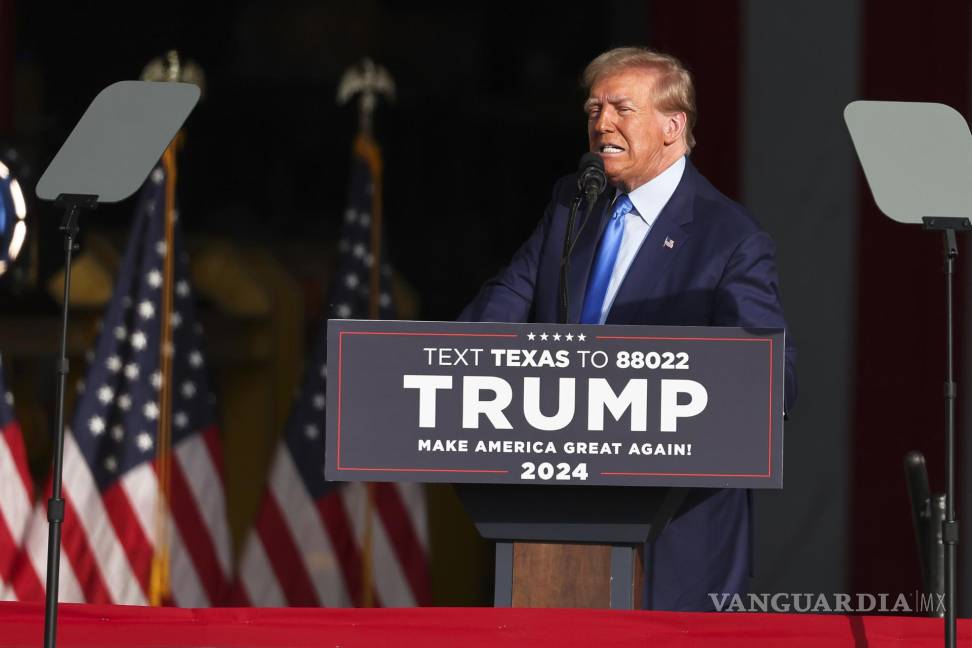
x,y
590,178
591,181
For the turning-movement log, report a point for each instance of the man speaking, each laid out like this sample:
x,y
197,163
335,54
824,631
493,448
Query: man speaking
x,y
663,247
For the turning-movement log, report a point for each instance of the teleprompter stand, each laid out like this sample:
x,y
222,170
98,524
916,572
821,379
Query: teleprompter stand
x,y
105,159
913,172
570,546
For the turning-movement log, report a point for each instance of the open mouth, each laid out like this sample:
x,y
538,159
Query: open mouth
x,y
610,149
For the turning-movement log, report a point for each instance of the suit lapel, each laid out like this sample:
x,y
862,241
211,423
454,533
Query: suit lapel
x,y
583,256
665,240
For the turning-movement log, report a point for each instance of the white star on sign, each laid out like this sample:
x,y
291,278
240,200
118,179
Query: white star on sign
x,y
581,337
556,337
154,278
144,441
151,411
113,363
105,394
138,340
531,336
96,425
569,337
543,336
125,402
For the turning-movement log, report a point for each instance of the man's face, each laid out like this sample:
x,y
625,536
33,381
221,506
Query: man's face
x,y
635,141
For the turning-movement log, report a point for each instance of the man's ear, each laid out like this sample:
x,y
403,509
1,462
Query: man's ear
x,y
674,127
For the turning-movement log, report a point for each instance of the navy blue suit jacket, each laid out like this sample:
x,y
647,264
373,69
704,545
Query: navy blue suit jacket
x,y
720,271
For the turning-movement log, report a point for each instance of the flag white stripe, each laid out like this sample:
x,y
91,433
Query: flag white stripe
x,y
187,588
207,491
259,581
14,498
390,582
68,588
307,531
108,551
141,488
413,497
6,593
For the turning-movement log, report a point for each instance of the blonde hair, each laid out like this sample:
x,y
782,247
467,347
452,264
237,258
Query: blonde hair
x,y
674,89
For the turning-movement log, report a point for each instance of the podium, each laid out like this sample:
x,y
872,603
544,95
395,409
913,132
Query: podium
x,y
571,547
570,446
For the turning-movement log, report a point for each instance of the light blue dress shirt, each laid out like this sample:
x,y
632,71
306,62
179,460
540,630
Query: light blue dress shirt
x,y
648,200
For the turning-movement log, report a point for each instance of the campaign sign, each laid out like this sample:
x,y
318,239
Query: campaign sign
x,y
554,404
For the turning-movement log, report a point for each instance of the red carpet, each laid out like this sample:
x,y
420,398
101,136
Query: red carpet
x,y
101,625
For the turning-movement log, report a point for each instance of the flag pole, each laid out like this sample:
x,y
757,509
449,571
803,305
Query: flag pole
x,y
367,81
159,582
169,67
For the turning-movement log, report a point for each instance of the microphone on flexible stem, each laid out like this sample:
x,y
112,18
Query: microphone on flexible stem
x,y
590,176
591,181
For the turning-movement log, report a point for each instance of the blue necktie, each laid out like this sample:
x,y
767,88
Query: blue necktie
x,y
607,254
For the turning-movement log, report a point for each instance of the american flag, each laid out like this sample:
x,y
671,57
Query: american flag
x,y
16,489
312,541
113,521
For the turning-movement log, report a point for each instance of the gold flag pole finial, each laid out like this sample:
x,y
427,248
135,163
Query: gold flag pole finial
x,y
369,81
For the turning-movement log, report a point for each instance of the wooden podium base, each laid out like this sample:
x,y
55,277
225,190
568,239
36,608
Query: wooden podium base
x,y
563,575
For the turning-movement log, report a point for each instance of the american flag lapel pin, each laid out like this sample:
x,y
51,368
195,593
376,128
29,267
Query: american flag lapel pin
x,y
669,243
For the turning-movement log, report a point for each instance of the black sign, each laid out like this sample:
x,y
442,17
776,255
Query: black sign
x,y
554,404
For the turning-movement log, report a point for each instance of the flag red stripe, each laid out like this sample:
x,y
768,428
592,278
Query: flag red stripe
x,y
15,441
338,525
411,555
8,551
284,555
210,437
78,551
130,534
195,537
25,581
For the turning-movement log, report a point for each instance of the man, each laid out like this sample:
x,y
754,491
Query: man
x,y
663,247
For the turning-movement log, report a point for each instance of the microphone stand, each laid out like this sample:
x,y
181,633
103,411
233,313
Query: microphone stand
x,y
950,527
565,259
73,205
569,242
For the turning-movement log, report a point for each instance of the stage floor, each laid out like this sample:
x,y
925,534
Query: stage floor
x,y
21,624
